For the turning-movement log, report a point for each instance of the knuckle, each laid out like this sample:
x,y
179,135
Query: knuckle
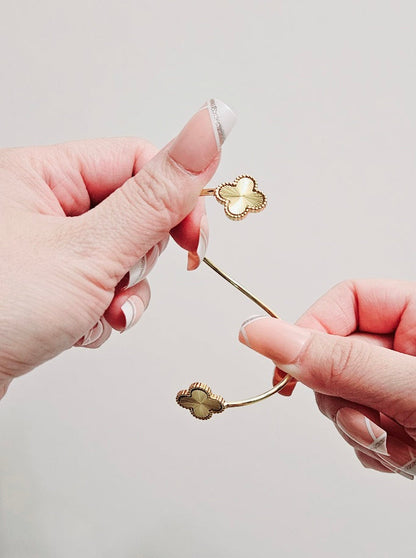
x,y
340,358
345,358
155,190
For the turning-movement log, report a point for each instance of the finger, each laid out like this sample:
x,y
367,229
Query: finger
x,y
361,429
349,368
374,306
124,226
381,340
144,266
83,173
289,387
329,406
192,234
96,336
395,429
401,458
128,306
359,425
370,462
5,381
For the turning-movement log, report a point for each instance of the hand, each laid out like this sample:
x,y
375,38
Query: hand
x,y
355,347
81,225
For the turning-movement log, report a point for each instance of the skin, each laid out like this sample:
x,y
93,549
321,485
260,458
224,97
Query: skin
x,y
74,219
355,347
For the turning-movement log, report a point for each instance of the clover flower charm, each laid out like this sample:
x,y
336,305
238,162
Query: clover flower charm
x,y
240,197
200,401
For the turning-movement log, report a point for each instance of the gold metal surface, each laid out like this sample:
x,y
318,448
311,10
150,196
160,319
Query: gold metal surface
x,y
198,398
239,197
275,389
247,293
208,192
200,401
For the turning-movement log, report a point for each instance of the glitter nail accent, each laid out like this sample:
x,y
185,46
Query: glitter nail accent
x,y
216,121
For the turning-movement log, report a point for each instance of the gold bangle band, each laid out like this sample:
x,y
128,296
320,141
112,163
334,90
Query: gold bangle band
x,y
198,398
208,192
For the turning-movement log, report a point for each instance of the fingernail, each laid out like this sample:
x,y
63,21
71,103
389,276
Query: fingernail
x,y
93,334
195,258
222,120
243,338
362,430
133,310
201,139
394,469
136,273
143,267
405,475
401,456
162,244
278,340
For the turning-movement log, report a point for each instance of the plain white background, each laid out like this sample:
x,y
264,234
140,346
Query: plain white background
x,y
96,459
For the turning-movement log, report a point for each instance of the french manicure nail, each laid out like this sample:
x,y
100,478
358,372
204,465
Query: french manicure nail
x,y
132,309
163,243
137,272
195,258
393,469
362,430
222,120
243,338
401,456
143,267
94,334
405,475
200,140
276,339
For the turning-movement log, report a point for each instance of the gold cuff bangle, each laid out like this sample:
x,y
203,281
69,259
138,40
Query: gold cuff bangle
x,y
239,198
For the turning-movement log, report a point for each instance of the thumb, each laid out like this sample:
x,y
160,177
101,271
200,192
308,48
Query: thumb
x,y
139,214
339,366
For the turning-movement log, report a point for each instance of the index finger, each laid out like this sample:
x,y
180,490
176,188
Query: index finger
x,y
377,306
83,173
187,233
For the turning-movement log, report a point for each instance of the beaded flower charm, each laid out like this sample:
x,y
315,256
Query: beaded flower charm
x,y
200,400
239,197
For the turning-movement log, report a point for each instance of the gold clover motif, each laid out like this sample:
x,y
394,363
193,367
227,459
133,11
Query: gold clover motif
x,y
200,401
240,197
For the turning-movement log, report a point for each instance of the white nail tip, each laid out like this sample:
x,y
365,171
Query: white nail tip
x,y
129,311
405,475
137,272
202,246
380,445
409,468
222,118
163,244
94,334
252,319
244,336
243,328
